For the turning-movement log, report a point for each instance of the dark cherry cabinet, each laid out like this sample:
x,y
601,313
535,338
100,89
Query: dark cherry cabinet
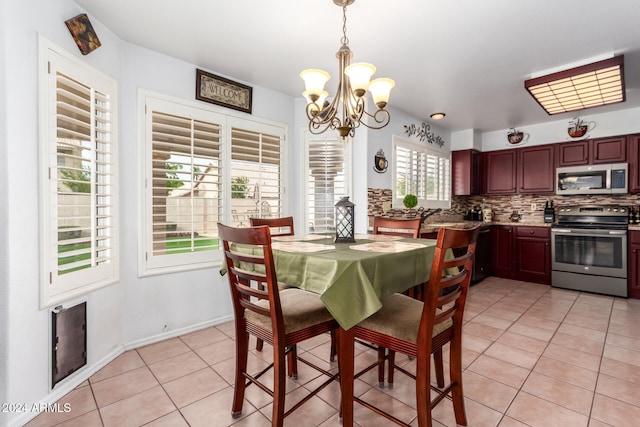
x,y
608,150
521,253
465,172
633,157
503,260
533,254
500,170
573,153
633,277
536,169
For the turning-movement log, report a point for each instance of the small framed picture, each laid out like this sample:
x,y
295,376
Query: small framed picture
x,y
220,91
83,33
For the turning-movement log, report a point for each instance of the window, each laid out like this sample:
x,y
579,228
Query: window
x,y
421,171
202,167
79,178
327,180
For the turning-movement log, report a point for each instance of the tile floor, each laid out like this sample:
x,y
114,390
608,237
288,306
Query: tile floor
x,y
534,356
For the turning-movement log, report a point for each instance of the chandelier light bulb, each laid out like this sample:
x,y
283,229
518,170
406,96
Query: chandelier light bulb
x,y
359,75
314,81
381,90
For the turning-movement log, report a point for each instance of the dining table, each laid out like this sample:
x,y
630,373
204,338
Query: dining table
x,y
351,279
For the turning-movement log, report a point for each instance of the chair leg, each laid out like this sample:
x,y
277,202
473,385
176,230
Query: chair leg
x,y
391,359
423,391
332,353
439,367
455,371
381,357
279,385
292,362
242,353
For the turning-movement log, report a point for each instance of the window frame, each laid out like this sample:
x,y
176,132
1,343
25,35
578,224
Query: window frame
x,y
149,264
55,288
423,200
308,139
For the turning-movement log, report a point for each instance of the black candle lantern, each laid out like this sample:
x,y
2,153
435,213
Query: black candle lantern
x,y
344,221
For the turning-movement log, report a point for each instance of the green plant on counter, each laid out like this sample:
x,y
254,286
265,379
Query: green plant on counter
x,y
410,201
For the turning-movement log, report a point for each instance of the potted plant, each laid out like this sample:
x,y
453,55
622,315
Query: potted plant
x,y
410,201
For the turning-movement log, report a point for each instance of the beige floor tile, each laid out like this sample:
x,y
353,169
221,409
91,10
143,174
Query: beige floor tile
x,y
522,342
624,342
595,423
510,422
581,332
532,331
127,361
173,419
156,352
621,370
537,412
79,401
578,343
177,366
195,386
620,389
564,394
588,321
222,350
203,337
494,322
313,412
123,386
475,343
563,371
376,397
614,412
488,392
137,410
622,354
575,357
90,419
627,330
214,410
522,358
503,372
482,331
539,322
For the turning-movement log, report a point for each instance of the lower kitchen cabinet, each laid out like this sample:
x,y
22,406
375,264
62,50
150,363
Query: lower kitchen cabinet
x,y
634,265
522,253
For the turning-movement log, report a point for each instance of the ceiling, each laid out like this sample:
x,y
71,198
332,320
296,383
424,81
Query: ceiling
x,y
466,58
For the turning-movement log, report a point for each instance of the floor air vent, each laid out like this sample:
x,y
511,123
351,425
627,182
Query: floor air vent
x,y
69,341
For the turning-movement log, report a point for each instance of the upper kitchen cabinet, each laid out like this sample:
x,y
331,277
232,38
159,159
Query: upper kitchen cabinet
x,y
633,151
573,153
608,150
536,169
466,172
500,170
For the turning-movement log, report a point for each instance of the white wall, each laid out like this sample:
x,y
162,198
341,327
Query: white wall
x,y
606,124
135,310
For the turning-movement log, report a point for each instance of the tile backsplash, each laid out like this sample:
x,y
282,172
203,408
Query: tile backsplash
x,y
502,206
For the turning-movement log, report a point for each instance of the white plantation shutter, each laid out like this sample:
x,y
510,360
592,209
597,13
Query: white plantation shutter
x,y
183,185
202,167
423,172
326,181
256,161
80,224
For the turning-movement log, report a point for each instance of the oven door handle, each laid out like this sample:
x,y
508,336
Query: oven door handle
x,y
618,232
561,230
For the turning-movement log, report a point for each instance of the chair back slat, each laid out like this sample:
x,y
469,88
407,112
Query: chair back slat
x,y
251,271
447,290
397,226
279,226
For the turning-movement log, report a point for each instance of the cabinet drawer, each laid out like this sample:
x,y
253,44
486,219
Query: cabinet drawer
x,y
542,232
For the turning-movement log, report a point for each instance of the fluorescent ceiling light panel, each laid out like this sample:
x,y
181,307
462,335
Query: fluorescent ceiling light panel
x,y
587,86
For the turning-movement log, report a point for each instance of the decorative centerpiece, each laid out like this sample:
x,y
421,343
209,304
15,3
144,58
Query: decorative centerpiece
x,y
515,136
577,128
344,221
410,201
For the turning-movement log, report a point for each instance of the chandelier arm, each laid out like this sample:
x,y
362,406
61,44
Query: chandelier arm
x,y
383,120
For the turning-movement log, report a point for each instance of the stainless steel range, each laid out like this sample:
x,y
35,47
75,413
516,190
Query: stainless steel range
x,y
589,249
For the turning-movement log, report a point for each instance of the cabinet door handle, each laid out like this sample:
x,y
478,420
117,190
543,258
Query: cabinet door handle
x,y
531,232
635,251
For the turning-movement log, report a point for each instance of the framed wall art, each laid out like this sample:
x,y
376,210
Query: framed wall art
x,y
220,91
83,33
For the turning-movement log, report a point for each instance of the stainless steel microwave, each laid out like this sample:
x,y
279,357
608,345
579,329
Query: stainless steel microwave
x,y
609,178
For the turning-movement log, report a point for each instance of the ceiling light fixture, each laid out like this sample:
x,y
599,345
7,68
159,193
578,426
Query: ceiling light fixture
x,y
592,85
438,116
347,109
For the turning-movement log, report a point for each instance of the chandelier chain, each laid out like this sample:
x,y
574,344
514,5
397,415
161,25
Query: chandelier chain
x,y
345,39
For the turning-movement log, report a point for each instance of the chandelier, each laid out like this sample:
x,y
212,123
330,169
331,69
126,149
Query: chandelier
x,y
347,109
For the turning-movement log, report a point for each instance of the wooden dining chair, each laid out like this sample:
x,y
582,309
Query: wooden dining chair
x,y
405,228
281,318
279,226
419,329
284,227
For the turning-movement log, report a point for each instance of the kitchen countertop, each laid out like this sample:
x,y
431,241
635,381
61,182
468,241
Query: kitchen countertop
x,y
433,227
